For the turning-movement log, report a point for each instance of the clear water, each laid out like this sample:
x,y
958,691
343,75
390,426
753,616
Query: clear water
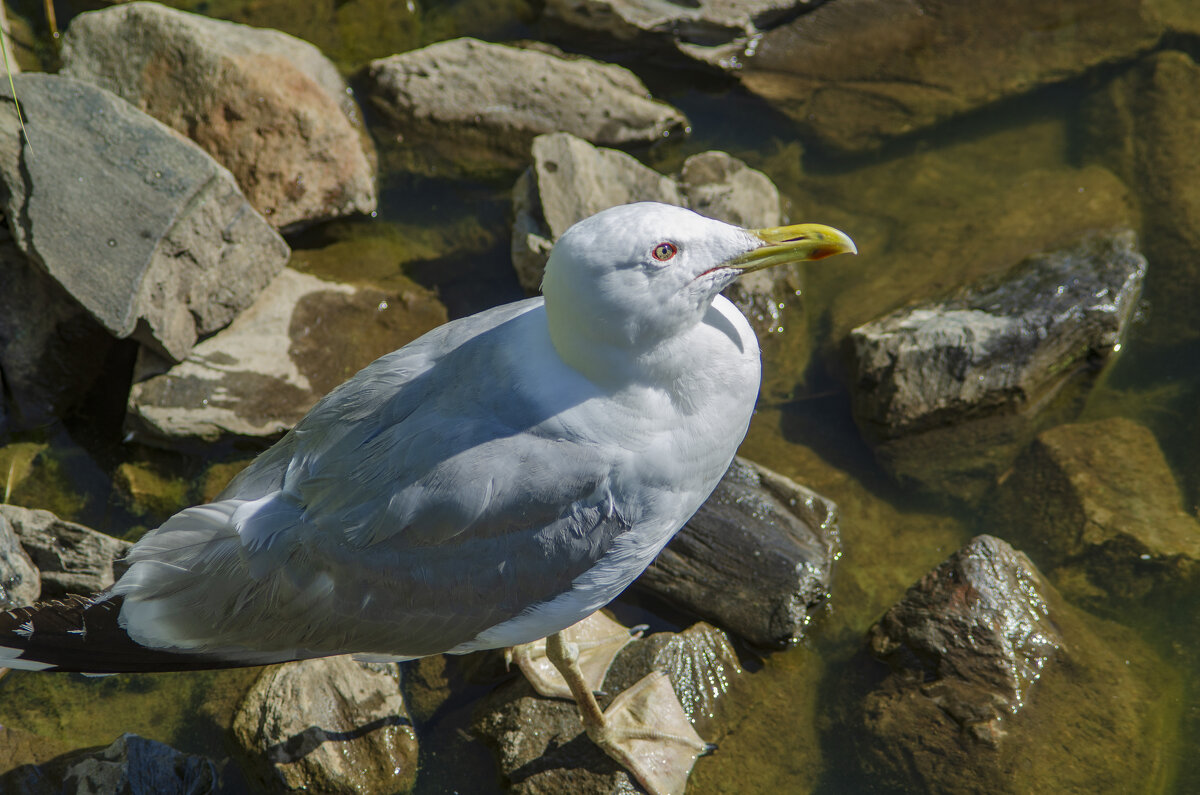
x,y
451,236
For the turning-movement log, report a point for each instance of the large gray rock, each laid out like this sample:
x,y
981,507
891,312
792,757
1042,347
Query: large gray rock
x,y
569,180
755,560
141,227
131,765
1143,125
254,380
71,558
268,106
20,582
486,102
1098,505
989,682
855,73
329,725
977,367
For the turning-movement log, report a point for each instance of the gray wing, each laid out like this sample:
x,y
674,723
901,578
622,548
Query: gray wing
x,y
415,507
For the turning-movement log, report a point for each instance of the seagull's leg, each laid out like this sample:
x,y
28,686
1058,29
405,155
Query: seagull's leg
x,y
644,728
598,638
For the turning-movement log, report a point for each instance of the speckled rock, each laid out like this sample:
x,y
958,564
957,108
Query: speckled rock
x,y
71,558
756,559
540,744
268,106
329,725
855,73
1097,503
986,681
20,582
162,246
257,378
570,180
481,101
966,376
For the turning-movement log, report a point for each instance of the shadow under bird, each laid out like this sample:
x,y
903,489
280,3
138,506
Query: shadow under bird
x,y
489,484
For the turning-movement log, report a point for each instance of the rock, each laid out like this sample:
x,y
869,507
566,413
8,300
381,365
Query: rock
x,y
329,725
990,683
713,32
756,559
302,337
540,744
51,350
1143,125
132,765
20,748
268,106
569,180
977,367
856,73
20,582
1097,503
485,103
71,558
180,250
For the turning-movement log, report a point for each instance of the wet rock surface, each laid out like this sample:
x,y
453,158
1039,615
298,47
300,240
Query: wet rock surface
x,y
840,71
1097,503
1143,125
984,362
756,559
132,765
254,380
329,725
71,558
992,684
539,742
570,180
466,96
268,106
180,250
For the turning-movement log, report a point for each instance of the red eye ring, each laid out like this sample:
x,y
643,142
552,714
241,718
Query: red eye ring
x,y
664,251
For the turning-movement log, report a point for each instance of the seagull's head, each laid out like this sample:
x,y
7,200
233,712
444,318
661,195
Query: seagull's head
x,y
635,275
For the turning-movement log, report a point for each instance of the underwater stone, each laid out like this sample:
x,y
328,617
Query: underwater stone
x,y
756,559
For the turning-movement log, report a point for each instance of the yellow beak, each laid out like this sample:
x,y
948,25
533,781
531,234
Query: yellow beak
x,y
796,243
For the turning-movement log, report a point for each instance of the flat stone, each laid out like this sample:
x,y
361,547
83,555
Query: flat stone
x,y
967,375
1143,125
71,558
487,102
570,180
856,73
756,559
268,106
1098,500
984,680
302,337
162,246
329,725
20,582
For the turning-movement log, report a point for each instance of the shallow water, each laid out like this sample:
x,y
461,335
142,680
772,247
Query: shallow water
x,y
451,236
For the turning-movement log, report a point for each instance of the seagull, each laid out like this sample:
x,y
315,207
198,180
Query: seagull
x,y
489,484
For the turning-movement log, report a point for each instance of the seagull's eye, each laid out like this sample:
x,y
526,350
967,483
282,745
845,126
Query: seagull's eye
x,y
664,251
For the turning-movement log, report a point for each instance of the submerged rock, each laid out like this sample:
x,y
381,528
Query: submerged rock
x,y
755,560
540,743
162,246
477,101
991,683
1143,125
302,337
268,106
71,558
855,73
1097,503
966,376
131,765
570,180
329,725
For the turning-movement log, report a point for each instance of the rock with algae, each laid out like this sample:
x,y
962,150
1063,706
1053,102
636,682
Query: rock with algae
x,y
986,681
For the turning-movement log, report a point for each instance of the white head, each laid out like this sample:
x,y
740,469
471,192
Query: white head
x,y
634,276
